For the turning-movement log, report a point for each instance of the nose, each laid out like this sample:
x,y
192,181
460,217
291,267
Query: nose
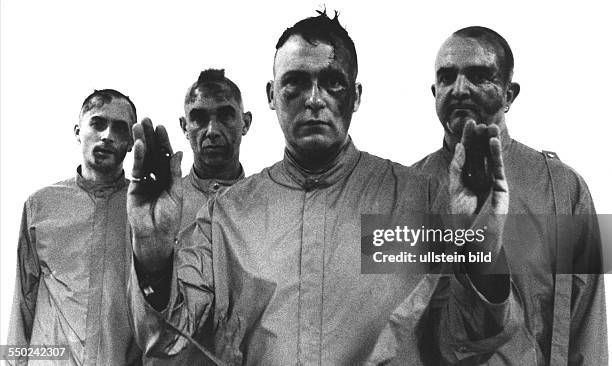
x,y
212,130
461,88
106,134
315,99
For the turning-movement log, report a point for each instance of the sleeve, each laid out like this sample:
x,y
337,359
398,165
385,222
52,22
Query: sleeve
x,y
465,325
588,344
26,285
470,328
191,294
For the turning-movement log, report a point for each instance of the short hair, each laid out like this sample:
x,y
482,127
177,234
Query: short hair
x,y
213,79
323,29
501,46
100,97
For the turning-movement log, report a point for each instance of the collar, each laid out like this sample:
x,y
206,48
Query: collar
x,y
289,173
212,185
100,189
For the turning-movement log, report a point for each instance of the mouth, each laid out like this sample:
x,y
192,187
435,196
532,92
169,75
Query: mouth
x,y
103,151
213,148
314,122
463,108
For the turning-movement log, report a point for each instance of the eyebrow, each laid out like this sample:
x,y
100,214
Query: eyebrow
x,y
223,108
107,120
328,70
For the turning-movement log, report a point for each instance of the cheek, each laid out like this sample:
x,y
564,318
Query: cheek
x,y
493,99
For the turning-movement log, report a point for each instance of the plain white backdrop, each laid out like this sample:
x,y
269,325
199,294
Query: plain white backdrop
x,y
54,53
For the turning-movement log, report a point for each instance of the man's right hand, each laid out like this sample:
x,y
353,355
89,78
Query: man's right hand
x,y
154,200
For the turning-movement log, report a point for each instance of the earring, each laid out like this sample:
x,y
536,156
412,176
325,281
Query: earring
x,y
506,108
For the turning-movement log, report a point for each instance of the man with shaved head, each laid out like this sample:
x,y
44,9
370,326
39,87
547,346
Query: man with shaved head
x,y
275,263
214,124
555,267
74,253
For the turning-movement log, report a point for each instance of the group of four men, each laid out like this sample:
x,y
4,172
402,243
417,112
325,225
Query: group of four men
x,y
269,271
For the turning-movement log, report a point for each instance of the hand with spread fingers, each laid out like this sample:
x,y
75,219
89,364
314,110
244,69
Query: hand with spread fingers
x,y
472,183
154,196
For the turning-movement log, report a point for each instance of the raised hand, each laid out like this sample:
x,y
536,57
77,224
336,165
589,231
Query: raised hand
x,y
154,200
467,202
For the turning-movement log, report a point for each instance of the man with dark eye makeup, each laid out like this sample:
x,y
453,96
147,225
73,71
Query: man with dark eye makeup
x,y
272,268
553,245
73,256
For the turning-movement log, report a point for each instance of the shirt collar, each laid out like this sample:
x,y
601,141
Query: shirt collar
x,y
100,189
288,172
212,185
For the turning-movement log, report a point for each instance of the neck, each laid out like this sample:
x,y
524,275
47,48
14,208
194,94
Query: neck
x,y
226,172
100,177
316,163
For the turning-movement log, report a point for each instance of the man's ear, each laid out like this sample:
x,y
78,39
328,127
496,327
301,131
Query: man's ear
x,y
77,132
433,90
513,91
358,91
183,123
270,94
247,118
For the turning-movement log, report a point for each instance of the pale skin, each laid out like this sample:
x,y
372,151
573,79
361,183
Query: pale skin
x,y
104,135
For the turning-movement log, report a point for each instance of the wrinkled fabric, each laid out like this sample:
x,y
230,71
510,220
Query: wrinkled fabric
x,y
72,266
531,252
274,263
196,194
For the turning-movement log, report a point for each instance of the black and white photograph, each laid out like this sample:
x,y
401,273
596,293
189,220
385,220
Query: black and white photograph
x,y
313,183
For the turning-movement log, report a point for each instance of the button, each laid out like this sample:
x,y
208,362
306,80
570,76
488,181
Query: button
x,y
216,186
310,183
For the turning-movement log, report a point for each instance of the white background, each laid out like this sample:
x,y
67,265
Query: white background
x,y
54,53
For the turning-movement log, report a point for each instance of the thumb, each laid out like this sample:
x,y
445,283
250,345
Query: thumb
x,y
175,166
456,165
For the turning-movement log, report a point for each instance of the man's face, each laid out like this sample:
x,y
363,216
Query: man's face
x,y
104,133
214,125
314,94
468,84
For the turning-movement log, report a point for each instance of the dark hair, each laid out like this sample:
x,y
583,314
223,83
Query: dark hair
x,y
100,97
212,79
323,29
501,46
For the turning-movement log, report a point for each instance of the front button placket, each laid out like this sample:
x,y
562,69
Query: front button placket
x,y
96,267
311,277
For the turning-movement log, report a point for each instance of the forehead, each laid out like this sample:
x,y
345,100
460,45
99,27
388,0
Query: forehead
x,y
297,54
212,98
458,52
117,109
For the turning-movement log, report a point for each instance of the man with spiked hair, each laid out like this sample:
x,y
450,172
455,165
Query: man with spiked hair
x,y
555,267
274,263
73,257
214,124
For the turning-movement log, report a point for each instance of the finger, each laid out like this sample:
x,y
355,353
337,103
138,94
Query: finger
x,y
492,131
496,162
456,168
163,139
468,132
149,134
479,131
175,166
138,170
138,132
